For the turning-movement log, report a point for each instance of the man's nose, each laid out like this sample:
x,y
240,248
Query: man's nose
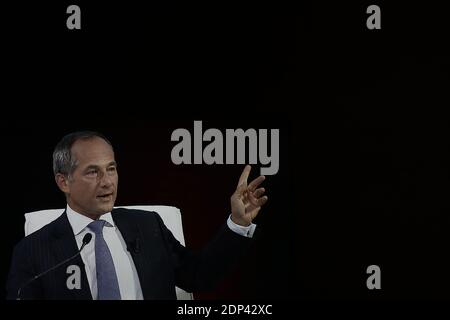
x,y
105,181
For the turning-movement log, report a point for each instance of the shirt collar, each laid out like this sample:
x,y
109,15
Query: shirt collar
x,y
79,222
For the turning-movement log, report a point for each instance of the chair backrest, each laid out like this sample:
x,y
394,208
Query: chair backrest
x,y
171,217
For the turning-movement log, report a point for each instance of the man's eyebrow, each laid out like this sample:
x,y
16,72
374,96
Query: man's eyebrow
x,y
93,166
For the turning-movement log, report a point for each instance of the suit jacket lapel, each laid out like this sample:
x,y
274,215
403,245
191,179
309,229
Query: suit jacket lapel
x,y
63,246
132,235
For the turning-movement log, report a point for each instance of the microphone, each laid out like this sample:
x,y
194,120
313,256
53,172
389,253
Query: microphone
x,y
86,239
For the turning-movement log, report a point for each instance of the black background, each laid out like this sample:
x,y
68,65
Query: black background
x,y
364,163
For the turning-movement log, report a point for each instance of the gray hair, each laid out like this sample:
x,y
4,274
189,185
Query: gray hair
x,y
63,161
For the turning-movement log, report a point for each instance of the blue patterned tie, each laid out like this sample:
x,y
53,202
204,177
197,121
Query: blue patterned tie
x,y
107,283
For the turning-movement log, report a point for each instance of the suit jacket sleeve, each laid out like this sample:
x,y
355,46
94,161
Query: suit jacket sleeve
x,y
202,271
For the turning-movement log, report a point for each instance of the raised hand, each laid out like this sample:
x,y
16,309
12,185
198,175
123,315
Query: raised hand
x,y
248,199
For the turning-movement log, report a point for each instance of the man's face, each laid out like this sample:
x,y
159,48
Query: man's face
x,y
92,187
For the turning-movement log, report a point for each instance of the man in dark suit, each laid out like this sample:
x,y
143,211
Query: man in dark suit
x,y
132,254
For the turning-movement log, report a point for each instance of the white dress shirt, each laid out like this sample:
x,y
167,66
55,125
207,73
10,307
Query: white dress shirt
x,y
243,231
129,285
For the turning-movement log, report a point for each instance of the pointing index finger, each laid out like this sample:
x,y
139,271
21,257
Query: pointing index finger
x,y
244,175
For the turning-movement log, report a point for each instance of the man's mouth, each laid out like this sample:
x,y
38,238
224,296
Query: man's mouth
x,y
105,196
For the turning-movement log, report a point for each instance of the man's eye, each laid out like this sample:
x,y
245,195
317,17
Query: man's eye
x,y
91,173
112,169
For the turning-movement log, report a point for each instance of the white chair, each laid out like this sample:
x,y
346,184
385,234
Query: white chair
x,y
171,217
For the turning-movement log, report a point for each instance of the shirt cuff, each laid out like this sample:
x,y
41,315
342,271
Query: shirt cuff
x,y
241,230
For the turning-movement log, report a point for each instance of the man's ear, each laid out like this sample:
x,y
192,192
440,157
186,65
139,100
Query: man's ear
x,y
63,182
